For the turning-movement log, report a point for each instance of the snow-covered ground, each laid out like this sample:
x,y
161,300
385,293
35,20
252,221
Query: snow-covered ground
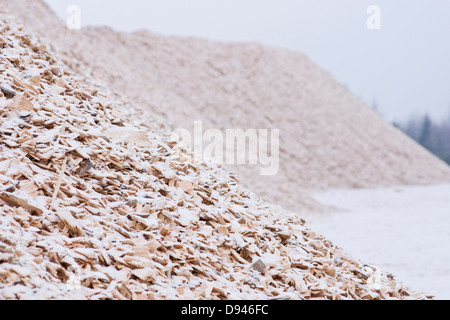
x,y
404,230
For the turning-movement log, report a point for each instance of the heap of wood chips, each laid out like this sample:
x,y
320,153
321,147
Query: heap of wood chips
x,y
95,207
328,137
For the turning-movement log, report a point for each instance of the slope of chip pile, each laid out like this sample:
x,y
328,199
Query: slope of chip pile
x,y
329,138
95,206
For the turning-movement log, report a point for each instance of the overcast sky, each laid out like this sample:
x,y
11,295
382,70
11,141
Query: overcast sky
x,y
404,67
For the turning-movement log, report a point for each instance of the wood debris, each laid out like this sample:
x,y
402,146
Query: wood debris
x,y
259,265
16,201
20,103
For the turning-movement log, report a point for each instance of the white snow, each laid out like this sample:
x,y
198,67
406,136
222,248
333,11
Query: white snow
x,y
404,230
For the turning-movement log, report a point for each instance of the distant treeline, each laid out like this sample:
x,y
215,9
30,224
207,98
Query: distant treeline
x,y
434,136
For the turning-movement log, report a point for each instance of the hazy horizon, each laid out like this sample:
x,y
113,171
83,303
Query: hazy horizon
x,y
403,68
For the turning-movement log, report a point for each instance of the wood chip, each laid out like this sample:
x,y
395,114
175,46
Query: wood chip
x,y
20,103
186,186
7,91
58,183
20,202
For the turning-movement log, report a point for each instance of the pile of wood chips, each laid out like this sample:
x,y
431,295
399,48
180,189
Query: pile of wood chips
x,y
94,206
